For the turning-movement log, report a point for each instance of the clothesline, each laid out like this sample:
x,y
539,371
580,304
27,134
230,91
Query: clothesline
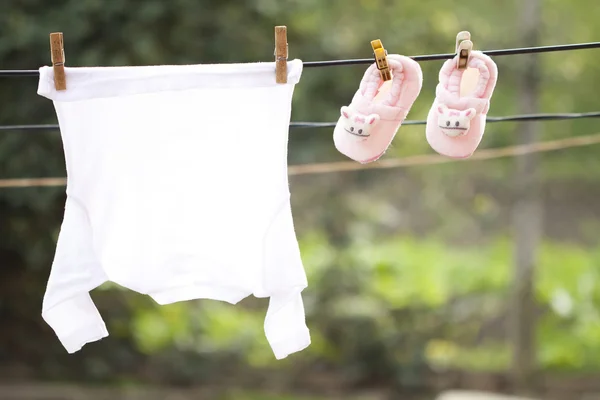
x,y
427,159
433,159
447,56
430,57
507,118
427,57
410,161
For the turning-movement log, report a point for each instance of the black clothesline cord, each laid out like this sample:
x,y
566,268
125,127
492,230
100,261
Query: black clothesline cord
x,y
428,57
496,53
507,118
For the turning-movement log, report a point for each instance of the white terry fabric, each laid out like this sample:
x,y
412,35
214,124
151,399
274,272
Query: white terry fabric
x,y
177,188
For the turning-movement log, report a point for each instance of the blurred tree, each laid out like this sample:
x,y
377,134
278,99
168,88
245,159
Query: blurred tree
x,y
527,215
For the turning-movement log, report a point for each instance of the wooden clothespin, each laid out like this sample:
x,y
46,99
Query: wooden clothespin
x,y
380,55
57,51
463,49
281,54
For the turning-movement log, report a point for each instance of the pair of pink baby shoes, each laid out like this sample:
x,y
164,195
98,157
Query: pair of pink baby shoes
x,y
455,123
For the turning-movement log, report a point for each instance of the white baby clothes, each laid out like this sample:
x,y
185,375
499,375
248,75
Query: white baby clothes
x,y
177,188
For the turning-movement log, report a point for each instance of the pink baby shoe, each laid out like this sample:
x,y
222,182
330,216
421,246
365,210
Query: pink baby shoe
x,y
455,123
367,126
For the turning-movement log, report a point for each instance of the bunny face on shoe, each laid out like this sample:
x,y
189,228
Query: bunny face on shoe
x,y
454,123
356,124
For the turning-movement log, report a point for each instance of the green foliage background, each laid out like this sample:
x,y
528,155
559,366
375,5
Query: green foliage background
x,y
409,269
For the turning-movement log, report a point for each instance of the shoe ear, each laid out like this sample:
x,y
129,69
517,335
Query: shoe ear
x,y
441,109
346,113
372,118
469,113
